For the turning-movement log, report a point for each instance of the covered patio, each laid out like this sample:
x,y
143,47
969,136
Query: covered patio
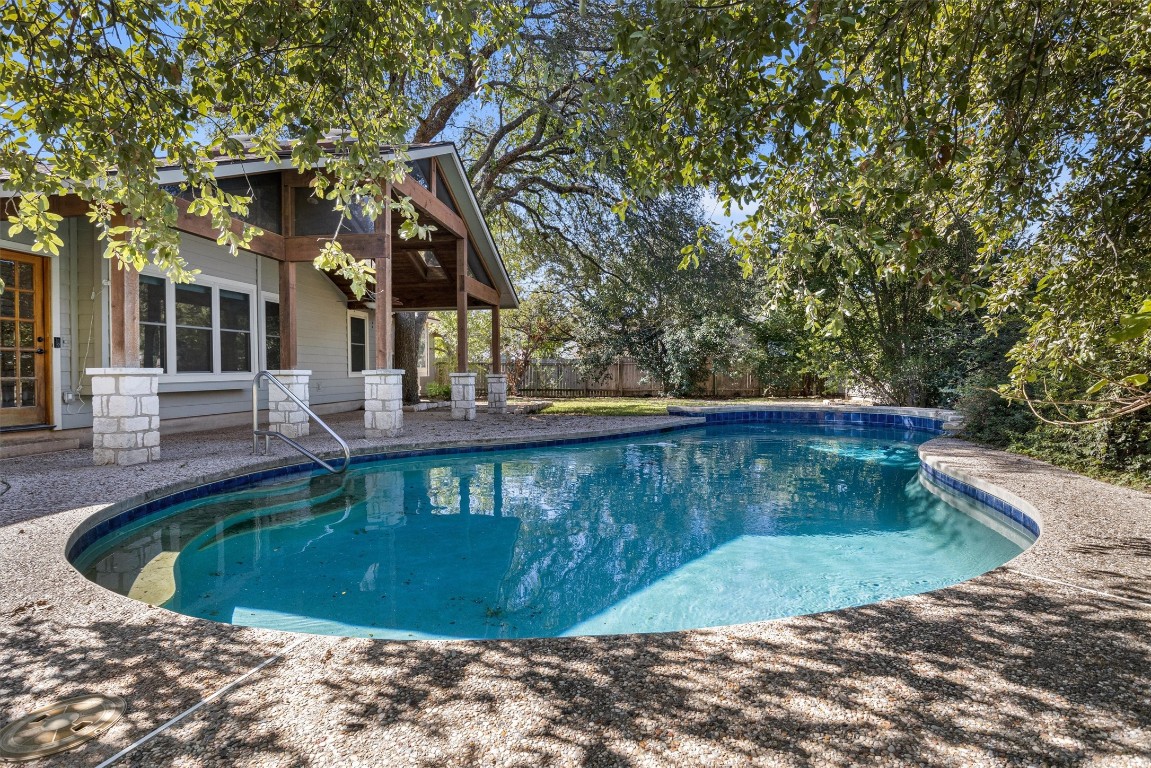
x,y
457,267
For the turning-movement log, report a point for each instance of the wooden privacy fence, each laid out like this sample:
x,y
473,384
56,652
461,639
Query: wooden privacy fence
x,y
623,378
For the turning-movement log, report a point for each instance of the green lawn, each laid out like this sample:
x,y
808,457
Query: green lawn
x,y
641,406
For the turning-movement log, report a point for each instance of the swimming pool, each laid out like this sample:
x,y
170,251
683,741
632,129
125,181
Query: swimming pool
x,y
708,526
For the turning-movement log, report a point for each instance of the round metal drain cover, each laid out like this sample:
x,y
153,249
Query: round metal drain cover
x,y
60,726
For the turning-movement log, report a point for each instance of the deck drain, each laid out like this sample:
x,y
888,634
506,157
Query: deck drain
x,y
60,726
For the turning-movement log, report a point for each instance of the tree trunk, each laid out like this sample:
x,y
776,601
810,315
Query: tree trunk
x,y
409,336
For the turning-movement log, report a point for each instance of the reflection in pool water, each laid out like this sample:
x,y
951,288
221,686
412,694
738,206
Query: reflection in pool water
x,y
704,527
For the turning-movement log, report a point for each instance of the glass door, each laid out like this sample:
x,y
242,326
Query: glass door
x,y
24,343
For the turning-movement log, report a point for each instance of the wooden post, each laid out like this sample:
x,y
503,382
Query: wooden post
x,y
462,306
385,335
124,315
288,352
496,339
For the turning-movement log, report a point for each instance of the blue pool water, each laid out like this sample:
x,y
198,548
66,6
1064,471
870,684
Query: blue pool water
x,y
697,528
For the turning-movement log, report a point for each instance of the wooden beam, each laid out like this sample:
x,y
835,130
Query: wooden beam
x,y
288,351
385,336
496,338
431,205
461,306
123,315
268,244
62,205
433,169
360,247
478,290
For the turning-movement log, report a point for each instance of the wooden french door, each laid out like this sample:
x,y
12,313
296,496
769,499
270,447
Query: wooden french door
x,y
25,345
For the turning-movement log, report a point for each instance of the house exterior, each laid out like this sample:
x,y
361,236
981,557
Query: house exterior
x,y
78,335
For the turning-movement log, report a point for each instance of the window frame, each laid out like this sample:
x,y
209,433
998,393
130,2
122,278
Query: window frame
x,y
265,297
369,346
215,285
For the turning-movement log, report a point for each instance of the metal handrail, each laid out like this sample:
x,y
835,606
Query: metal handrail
x,y
257,433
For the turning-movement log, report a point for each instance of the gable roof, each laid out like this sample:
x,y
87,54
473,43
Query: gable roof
x,y
451,171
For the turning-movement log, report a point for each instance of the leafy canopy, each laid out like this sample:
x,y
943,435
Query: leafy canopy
x,y
1023,124
95,91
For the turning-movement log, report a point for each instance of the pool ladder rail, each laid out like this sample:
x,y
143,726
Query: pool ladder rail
x,y
257,433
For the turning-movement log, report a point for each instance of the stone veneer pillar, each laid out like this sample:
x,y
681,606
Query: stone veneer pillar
x,y
125,415
497,392
284,416
463,396
383,402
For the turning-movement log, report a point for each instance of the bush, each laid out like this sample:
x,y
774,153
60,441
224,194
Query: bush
x,y
438,391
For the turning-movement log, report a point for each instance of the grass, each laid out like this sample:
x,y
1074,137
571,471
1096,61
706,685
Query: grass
x,y
640,406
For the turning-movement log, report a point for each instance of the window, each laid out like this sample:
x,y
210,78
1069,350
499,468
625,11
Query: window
x,y
357,343
235,331
193,329
153,323
272,335
205,327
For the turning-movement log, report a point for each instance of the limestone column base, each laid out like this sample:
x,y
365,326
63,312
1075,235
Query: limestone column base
x,y
497,393
383,402
284,416
125,415
463,396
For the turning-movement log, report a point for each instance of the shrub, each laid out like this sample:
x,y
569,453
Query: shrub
x,y
438,391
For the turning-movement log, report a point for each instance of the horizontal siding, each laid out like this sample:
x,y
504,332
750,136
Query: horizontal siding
x,y
321,326
322,338
89,348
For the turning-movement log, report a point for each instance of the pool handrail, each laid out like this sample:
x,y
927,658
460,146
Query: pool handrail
x,y
257,433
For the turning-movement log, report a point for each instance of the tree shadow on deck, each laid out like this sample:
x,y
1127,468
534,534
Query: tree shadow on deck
x,y
968,675
159,666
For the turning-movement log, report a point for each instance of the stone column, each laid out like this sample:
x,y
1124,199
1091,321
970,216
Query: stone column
x,y
383,402
125,415
284,416
497,392
463,396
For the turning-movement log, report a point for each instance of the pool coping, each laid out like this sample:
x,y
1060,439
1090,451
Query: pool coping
x,y
1059,570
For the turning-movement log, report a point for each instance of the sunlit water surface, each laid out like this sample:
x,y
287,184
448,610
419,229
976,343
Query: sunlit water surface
x,y
698,528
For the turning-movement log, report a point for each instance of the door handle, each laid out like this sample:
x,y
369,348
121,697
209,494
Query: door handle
x,y
40,351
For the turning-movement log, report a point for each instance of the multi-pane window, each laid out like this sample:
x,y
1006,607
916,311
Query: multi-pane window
x,y
357,343
235,331
196,328
193,329
153,323
272,335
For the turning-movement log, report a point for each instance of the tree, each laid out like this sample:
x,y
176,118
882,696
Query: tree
x,y
634,298
517,107
95,91
1027,122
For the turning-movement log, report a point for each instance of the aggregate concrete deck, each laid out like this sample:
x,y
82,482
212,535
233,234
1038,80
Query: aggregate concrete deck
x,y
1045,661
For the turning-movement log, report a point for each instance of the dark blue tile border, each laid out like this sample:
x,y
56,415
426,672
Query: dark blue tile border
x,y
989,500
836,418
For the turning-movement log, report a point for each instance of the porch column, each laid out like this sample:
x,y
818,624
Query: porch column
x,y
288,352
462,306
124,315
125,415
496,339
497,381
385,333
463,382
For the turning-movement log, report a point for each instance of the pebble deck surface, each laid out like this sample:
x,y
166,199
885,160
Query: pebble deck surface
x,y
1006,669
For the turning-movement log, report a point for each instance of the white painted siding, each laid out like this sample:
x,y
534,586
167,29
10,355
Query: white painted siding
x,y
321,328
86,307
